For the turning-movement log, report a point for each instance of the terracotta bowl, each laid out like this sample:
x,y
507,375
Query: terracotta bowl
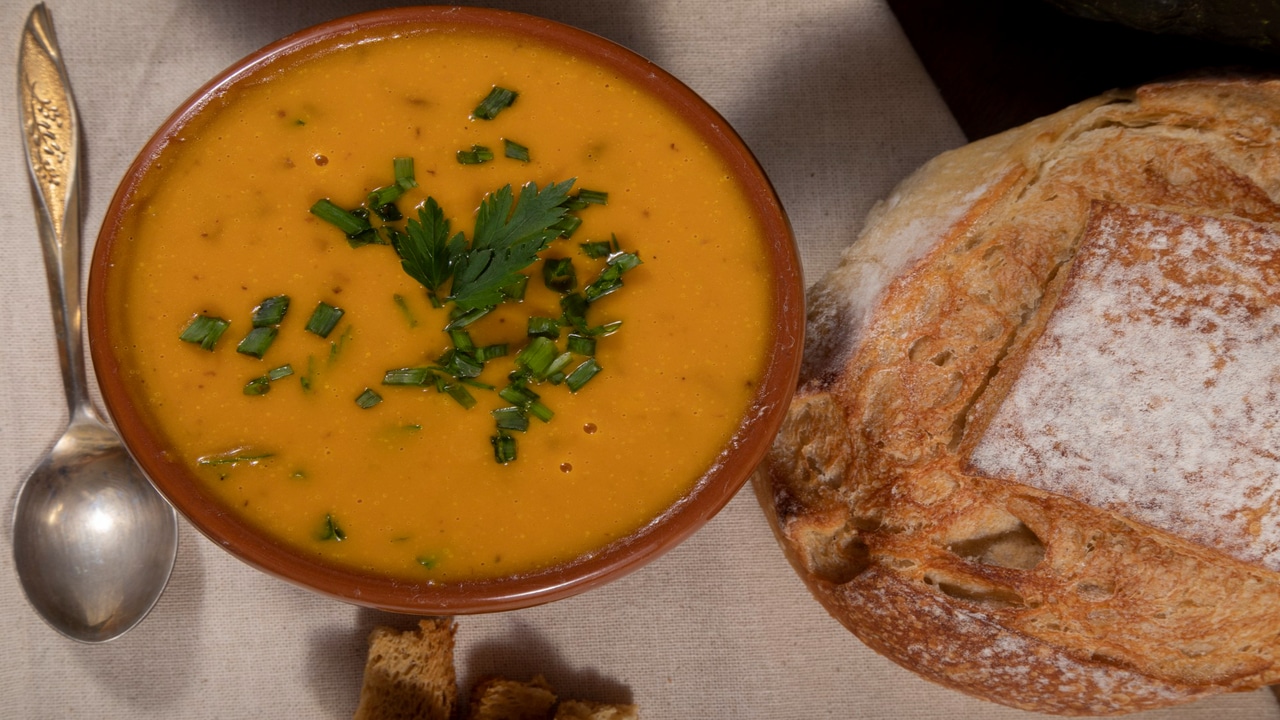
x,y
710,493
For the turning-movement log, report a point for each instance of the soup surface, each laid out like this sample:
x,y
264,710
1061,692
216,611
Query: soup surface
x,y
409,485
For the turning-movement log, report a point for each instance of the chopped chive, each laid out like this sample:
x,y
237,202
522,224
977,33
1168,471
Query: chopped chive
x,y
368,398
597,249
461,320
404,308
515,150
385,195
258,386
592,197
459,364
568,225
460,393
235,457
462,341
270,311
544,327
416,376
204,330
559,363
556,378
478,154
336,346
405,177
427,561
581,374
511,418
624,261
348,222
537,356
581,344
283,371
540,411
611,277
504,447
489,352
606,329
257,341
558,275
330,530
495,102
323,319
471,382
574,308
387,212
306,380
368,237
518,395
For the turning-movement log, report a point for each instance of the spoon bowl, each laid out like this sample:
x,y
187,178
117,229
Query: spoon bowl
x,y
93,542
92,557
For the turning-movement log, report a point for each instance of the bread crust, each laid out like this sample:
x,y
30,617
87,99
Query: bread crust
x,y
990,585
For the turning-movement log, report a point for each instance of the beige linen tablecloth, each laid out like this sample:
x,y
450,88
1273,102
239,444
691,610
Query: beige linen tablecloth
x,y
833,101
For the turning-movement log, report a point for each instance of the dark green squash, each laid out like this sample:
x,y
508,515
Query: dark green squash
x,y
1255,23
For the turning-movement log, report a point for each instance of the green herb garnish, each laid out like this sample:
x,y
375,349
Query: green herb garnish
x,y
403,169
368,398
504,447
477,155
592,197
544,327
283,371
330,530
348,222
404,308
495,102
511,418
258,386
255,344
415,376
581,344
323,319
471,277
581,374
611,277
426,250
234,457
270,311
558,275
204,330
515,150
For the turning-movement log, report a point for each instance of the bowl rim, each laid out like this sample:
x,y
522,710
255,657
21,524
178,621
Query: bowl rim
x,y
712,491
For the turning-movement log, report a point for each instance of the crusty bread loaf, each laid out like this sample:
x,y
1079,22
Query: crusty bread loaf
x,y
1034,454
410,675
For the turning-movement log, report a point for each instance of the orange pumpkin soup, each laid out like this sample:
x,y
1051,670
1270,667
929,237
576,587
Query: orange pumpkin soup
x,y
399,479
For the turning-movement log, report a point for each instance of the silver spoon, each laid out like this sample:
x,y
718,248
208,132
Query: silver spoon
x,y
93,542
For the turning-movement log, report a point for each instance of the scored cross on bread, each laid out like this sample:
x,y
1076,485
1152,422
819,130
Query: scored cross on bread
x,y
1033,453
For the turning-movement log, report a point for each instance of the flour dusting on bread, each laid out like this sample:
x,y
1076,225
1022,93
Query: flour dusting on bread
x,y
1155,388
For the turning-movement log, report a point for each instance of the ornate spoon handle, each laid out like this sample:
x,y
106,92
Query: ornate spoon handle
x,y
51,137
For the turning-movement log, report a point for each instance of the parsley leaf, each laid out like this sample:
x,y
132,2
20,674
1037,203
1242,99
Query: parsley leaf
x,y
425,250
509,235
